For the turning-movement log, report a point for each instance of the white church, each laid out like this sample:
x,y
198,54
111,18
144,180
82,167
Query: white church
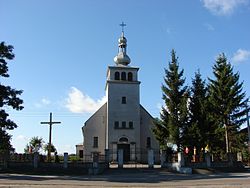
x,y
122,122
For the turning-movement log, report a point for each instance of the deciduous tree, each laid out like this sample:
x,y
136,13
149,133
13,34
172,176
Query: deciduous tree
x,y
9,97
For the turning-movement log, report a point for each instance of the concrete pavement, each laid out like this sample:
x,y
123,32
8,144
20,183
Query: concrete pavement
x,y
128,178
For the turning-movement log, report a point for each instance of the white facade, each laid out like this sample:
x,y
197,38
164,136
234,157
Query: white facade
x,y
121,123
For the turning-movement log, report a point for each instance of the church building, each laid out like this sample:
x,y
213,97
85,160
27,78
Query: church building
x,y
122,122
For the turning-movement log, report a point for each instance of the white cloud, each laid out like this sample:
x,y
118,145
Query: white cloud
x,y
21,138
241,56
78,102
223,7
66,148
43,102
19,142
209,27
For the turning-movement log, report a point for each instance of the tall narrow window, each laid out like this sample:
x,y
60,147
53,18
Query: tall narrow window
x,y
148,142
123,76
95,144
124,124
117,76
124,100
130,76
116,124
130,124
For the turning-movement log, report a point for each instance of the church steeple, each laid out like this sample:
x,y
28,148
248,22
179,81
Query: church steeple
x,y
122,58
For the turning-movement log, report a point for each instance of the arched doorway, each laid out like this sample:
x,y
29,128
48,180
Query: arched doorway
x,y
125,146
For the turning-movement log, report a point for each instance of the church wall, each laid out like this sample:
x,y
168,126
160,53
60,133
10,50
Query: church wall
x,y
95,126
146,131
129,112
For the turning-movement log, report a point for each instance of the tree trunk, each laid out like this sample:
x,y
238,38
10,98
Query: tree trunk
x,y
227,141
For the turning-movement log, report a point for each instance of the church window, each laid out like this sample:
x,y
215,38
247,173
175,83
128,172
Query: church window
x,y
116,124
130,76
95,144
123,140
124,124
131,124
148,142
123,75
117,76
124,100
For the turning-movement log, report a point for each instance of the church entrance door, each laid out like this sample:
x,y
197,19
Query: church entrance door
x,y
126,151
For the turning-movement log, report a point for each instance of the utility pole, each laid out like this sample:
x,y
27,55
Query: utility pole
x,y
50,123
248,129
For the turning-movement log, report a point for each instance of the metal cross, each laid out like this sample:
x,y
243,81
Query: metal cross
x,y
122,25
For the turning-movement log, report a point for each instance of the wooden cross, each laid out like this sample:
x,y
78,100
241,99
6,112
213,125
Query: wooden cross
x,y
50,123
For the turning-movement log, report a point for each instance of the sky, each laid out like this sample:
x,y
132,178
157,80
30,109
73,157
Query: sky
x,y
63,48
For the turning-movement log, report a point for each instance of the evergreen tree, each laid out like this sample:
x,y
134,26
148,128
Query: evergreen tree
x,y
175,95
8,97
161,132
227,101
197,132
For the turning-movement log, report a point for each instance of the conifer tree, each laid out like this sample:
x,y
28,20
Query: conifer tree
x,y
161,132
197,132
227,100
175,95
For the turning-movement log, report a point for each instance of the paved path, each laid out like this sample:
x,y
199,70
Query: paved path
x,y
142,178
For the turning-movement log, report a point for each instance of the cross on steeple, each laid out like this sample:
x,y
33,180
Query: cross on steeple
x,y
122,25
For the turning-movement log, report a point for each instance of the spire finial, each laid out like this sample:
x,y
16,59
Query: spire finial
x,y
123,25
122,58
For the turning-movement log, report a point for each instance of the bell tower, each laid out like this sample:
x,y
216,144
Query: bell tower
x,y
123,102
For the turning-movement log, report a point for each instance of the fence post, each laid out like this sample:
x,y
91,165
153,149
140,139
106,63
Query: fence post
x,y
163,158
181,161
230,159
65,160
35,160
208,159
120,158
95,161
239,156
150,158
107,155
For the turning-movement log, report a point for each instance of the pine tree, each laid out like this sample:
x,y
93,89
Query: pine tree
x,y
161,133
8,97
227,100
197,132
175,95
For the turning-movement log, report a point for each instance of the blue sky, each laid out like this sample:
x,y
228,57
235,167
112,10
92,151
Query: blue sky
x,y
63,49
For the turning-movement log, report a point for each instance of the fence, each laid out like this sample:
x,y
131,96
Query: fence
x,y
133,156
95,163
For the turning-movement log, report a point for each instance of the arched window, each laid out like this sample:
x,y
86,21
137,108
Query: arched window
x,y
123,140
117,76
123,76
130,76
